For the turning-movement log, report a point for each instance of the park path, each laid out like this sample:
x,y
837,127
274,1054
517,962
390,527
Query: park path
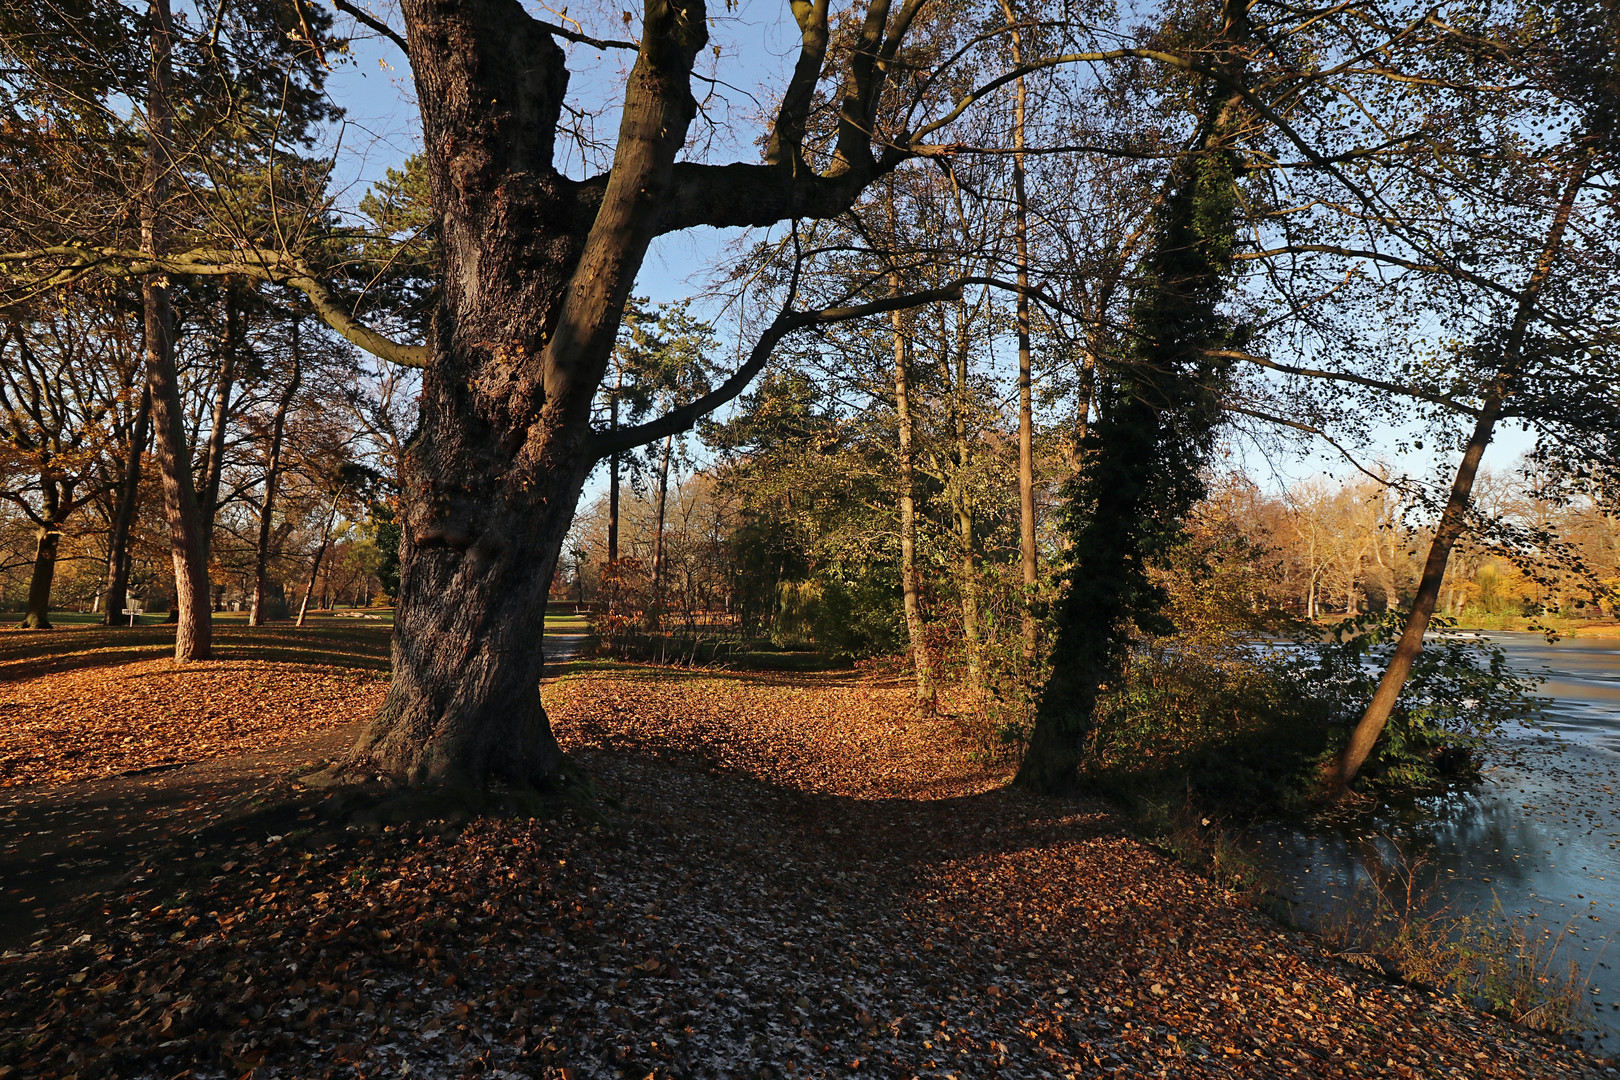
x,y
64,846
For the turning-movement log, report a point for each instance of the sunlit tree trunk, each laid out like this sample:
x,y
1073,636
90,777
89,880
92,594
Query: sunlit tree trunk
x,y
47,541
1026,411
1454,519
194,631
320,553
655,613
916,631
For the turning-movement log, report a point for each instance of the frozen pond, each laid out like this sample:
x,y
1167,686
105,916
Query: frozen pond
x,y
1540,835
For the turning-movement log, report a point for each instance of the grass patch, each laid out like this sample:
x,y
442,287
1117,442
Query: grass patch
x,y
27,654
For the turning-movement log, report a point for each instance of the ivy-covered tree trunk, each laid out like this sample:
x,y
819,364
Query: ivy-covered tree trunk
x,y
1157,414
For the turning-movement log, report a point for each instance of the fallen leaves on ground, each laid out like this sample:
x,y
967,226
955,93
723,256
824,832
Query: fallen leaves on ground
x,y
805,879
100,721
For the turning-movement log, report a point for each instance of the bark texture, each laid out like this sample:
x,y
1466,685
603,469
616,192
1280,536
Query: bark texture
x,y
534,290
194,633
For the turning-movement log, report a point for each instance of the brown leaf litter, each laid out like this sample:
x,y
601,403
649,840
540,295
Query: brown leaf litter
x,y
802,878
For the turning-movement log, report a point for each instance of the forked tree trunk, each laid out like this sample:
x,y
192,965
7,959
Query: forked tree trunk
x,y
916,631
117,588
320,554
1454,519
193,636
534,287
272,479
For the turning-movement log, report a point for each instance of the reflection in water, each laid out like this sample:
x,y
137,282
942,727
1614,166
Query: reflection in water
x,y
1540,835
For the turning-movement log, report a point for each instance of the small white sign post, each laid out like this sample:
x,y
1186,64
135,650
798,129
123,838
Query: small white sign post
x,y
132,612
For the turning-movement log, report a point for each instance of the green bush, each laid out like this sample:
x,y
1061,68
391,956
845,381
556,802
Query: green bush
x,y
1461,692
1249,726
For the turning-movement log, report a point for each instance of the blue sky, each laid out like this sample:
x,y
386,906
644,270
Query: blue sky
x,y
375,89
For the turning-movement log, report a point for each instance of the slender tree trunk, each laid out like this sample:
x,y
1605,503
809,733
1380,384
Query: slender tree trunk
x,y
962,503
117,590
320,553
1455,516
193,636
214,462
655,616
916,630
272,478
613,475
47,540
1026,411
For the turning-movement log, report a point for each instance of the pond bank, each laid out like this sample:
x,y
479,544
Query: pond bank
x,y
1539,837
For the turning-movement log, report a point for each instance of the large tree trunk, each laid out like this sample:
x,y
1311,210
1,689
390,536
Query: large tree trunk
x,y
1455,517
117,588
193,636
272,478
916,631
534,288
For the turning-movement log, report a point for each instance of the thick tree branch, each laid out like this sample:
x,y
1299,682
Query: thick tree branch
x,y
272,268
787,135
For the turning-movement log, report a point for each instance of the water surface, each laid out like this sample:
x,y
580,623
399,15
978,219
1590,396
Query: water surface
x,y
1539,836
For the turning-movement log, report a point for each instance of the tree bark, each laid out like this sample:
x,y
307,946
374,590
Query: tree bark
x,y
272,478
194,633
655,614
214,461
47,540
1454,519
117,590
534,288
922,660
1026,410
